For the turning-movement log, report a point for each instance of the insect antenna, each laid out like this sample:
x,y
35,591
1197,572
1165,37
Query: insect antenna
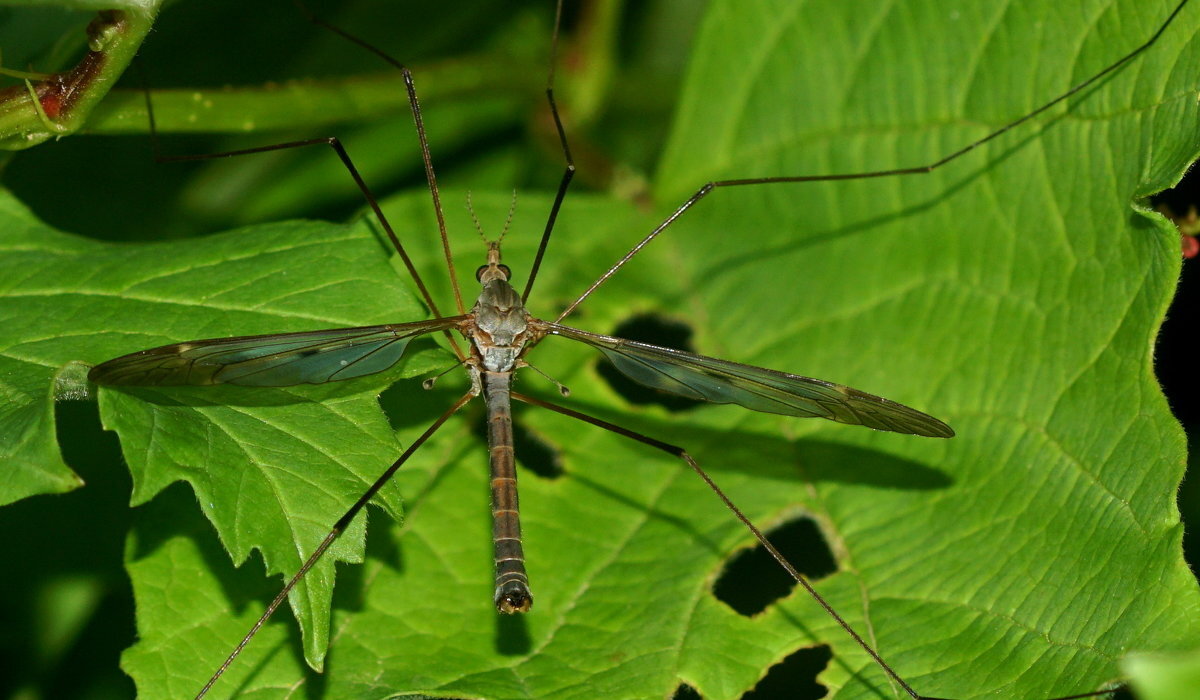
x,y
475,219
512,209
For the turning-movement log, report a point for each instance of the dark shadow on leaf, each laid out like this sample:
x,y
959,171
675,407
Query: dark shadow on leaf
x,y
1142,224
778,458
315,684
173,513
263,663
535,452
512,635
408,405
75,537
830,461
803,461
381,547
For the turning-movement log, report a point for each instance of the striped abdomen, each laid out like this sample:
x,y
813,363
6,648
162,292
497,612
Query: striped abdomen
x,y
512,583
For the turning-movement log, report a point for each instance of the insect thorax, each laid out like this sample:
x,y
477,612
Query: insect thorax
x,y
501,325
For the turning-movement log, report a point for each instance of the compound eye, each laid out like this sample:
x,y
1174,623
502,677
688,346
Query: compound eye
x,y
479,273
506,271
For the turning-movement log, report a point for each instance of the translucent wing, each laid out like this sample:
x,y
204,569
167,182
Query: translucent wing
x,y
280,359
720,381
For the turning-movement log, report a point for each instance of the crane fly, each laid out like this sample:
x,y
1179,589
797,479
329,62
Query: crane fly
x,y
499,332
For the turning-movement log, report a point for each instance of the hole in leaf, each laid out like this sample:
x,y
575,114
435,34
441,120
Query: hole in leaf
x,y
753,579
656,330
1174,358
1180,204
686,692
794,677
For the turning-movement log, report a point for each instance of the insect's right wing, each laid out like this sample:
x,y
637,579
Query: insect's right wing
x,y
759,389
280,359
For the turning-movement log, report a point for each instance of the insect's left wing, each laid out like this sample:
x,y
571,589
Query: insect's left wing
x,y
280,359
720,381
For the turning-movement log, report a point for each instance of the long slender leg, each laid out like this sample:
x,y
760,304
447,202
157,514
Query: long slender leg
x,y
415,107
368,195
916,170
334,532
682,454
568,172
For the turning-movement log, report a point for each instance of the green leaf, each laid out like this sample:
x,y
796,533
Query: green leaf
x,y
1015,293
1164,676
30,361
247,454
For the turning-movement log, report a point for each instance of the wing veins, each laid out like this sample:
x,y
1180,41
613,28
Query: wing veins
x,y
215,360
762,389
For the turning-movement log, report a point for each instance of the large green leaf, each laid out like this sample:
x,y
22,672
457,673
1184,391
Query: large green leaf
x,y
1019,287
247,454
1023,558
